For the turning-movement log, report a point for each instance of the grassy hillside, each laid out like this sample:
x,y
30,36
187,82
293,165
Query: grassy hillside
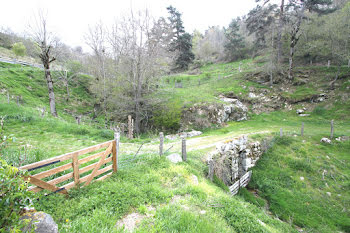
x,y
30,84
305,182
178,203
277,200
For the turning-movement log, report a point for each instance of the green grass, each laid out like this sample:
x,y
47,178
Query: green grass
x,y
305,202
153,181
30,84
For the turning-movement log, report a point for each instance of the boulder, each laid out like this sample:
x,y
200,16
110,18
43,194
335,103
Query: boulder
x,y
174,158
252,95
300,111
326,140
42,222
190,134
343,139
304,115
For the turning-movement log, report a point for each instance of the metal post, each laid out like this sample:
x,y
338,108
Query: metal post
x,y
184,154
332,128
161,142
302,129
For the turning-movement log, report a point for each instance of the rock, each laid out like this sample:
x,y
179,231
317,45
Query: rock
x,y
172,137
190,134
326,140
300,111
329,194
194,179
174,158
301,178
252,95
342,138
304,115
193,133
232,159
42,222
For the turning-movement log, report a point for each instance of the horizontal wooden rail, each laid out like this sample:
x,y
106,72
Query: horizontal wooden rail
x,y
109,155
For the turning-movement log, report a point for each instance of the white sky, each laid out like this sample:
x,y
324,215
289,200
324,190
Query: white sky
x,y
70,19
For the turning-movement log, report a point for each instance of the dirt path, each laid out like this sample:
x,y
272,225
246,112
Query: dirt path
x,y
197,143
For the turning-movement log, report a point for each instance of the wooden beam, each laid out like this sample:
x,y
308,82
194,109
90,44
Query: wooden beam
x,y
91,166
53,171
54,182
94,172
75,169
66,156
44,185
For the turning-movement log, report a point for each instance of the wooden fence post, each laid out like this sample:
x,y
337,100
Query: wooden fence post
x,y
329,63
302,129
161,142
184,154
76,170
281,132
130,127
211,170
332,128
115,150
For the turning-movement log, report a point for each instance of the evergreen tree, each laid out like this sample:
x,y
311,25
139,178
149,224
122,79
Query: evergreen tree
x,y
235,41
181,42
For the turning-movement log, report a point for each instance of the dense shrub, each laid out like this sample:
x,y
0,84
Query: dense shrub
x,y
13,197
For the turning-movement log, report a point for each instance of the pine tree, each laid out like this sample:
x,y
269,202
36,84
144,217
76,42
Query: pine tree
x,y
181,42
235,41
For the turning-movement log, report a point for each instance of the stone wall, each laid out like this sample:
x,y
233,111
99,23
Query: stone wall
x,y
232,159
201,116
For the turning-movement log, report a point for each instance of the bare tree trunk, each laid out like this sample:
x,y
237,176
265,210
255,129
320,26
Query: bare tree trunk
x,y
279,33
290,70
51,92
67,89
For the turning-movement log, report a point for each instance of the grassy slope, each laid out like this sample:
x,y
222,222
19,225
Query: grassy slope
x,y
153,181
30,84
305,203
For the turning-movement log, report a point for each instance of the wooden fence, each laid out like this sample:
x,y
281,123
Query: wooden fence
x,y
242,182
109,155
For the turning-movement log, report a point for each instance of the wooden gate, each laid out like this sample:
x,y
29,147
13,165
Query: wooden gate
x,y
242,182
109,155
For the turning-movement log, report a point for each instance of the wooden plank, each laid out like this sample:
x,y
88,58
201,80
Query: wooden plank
x,y
94,172
105,176
75,169
66,156
91,166
92,157
85,178
43,184
53,171
54,182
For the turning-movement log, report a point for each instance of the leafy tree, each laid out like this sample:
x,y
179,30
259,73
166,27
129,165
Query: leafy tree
x,y
19,49
181,42
259,23
235,44
296,16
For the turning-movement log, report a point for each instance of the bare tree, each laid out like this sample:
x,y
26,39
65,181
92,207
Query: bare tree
x,y
46,41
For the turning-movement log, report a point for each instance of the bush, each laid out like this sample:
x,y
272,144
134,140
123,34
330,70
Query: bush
x,y
13,197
